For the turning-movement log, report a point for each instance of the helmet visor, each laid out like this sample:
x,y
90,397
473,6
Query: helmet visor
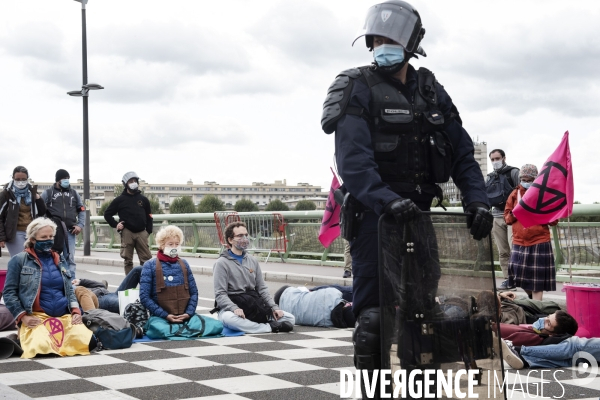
x,y
401,24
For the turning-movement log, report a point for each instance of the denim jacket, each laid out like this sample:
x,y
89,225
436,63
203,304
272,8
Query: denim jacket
x,y
23,280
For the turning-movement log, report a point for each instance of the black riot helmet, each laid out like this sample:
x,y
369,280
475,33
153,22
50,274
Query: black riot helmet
x,y
396,20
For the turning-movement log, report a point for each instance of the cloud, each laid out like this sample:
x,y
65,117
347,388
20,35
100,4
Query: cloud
x,y
521,65
197,50
308,33
169,130
41,40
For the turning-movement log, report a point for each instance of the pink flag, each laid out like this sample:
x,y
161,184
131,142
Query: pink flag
x,y
330,227
550,197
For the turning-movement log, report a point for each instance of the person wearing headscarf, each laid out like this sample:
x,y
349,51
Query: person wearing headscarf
x,y
531,265
19,205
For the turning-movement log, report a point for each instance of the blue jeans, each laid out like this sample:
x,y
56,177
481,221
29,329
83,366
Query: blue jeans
x,y
70,257
110,301
560,355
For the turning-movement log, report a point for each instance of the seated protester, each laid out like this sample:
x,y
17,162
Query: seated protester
x,y
323,307
167,287
106,299
241,296
39,294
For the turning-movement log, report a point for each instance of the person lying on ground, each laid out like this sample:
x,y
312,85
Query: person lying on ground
x,y
39,294
167,287
513,310
241,295
106,299
558,355
546,330
323,306
346,291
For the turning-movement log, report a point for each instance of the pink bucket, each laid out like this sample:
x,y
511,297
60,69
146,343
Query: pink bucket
x,y
583,303
2,279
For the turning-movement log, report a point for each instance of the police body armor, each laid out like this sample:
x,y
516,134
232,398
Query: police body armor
x,y
412,150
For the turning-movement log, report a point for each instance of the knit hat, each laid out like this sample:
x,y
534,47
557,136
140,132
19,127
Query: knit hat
x,y
61,174
528,170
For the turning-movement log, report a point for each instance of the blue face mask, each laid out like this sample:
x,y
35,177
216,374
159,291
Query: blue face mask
x,y
388,54
539,324
64,183
43,246
526,185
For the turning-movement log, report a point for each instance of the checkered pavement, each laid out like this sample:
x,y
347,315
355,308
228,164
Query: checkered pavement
x,y
301,365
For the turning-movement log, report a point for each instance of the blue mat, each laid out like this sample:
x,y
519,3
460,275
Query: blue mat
x,y
226,332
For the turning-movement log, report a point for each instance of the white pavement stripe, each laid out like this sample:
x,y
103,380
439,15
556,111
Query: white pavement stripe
x,y
137,380
107,273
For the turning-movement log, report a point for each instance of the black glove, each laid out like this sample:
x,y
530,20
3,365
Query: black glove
x,y
480,220
403,210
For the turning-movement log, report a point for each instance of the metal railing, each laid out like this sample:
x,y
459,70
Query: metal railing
x,y
581,246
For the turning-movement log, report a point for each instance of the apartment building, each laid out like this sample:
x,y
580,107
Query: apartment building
x,y
259,192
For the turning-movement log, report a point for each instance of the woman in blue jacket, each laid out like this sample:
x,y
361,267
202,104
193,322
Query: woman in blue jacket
x,y
167,287
39,295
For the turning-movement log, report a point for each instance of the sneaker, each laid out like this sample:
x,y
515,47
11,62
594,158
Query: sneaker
x,y
284,326
105,284
511,356
506,286
347,274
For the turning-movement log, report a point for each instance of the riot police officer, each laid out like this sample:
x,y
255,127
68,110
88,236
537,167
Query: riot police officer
x,y
397,134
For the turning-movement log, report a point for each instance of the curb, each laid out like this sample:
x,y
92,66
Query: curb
x,y
271,276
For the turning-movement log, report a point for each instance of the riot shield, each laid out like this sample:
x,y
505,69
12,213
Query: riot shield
x,y
438,307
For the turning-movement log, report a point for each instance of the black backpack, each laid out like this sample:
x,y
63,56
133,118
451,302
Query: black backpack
x,y
498,187
136,314
111,330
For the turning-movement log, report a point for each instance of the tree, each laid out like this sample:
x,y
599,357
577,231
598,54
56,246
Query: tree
x,y
277,205
245,205
103,207
118,189
305,205
210,203
182,205
155,204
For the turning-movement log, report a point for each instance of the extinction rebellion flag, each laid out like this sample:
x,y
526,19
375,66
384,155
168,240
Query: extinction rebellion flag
x,y
550,197
330,226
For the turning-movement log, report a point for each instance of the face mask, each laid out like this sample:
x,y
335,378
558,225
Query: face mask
x,y
172,251
388,54
43,246
526,185
20,184
497,164
64,183
133,186
539,324
241,244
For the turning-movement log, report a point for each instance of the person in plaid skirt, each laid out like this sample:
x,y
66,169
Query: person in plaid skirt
x,y
531,265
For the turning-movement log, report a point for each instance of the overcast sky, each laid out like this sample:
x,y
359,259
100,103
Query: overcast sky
x,y
232,91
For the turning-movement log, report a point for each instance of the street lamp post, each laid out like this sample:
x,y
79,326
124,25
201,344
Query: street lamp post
x,y
85,88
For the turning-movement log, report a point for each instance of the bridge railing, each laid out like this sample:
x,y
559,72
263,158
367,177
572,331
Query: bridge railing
x,y
580,244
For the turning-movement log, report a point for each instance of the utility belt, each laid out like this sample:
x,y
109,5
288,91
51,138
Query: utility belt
x,y
353,211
